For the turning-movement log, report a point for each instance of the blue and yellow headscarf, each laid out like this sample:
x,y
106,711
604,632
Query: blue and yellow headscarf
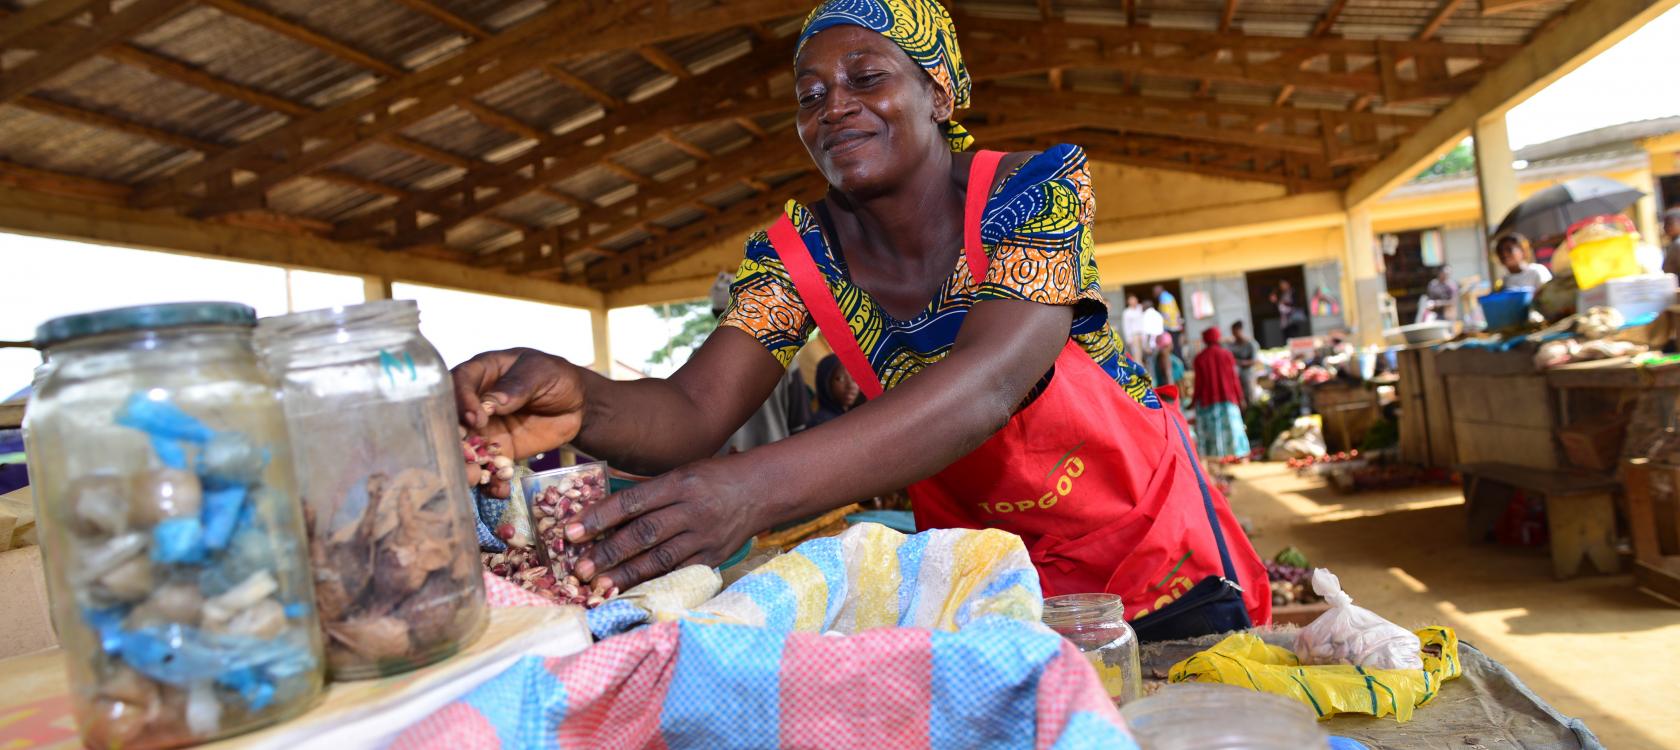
x,y
922,29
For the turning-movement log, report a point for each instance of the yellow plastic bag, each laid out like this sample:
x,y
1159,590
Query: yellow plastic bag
x,y
1246,661
1602,248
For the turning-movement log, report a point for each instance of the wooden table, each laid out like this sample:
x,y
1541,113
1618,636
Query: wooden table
x,y
1580,511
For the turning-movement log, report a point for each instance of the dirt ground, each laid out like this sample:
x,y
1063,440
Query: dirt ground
x,y
1593,647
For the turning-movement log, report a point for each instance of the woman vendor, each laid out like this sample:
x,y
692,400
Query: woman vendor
x,y
960,291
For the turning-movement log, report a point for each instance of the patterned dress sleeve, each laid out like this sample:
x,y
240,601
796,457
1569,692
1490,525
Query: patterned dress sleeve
x,y
1037,231
764,303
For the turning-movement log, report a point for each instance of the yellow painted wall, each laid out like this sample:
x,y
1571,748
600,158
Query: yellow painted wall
x,y
1665,153
1226,256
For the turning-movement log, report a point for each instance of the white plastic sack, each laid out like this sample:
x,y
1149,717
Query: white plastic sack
x,y
1354,635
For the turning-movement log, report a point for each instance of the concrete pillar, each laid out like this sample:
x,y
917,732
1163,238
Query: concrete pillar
x,y
375,288
1366,287
1496,180
600,333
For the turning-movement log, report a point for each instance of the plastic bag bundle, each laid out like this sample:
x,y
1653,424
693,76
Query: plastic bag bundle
x,y
1347,634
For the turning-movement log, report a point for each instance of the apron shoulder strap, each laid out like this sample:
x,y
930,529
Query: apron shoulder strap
x,y
819,299
980,175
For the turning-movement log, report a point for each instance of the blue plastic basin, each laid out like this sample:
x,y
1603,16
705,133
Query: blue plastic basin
x,y
1506,309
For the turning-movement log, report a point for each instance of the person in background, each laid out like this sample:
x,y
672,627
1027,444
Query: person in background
x,y
1131,324
1514,254
1442,294
1220,432
837,392
1242,349
1171,316
1671,241
1289,314
788,410
1168,369
1149,331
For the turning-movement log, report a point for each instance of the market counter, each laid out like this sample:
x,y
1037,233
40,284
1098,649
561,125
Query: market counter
x,y
1486,707
35,701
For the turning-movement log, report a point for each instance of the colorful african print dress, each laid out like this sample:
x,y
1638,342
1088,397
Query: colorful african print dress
x,y
1037,234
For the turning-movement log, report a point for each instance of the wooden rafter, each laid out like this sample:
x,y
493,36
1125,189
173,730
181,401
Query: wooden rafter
x,y
304,35
576,83
632,263
501,120
1327,21
571,29
1202,107
678,143
103,33
29,23
629,175
169,68
605,223
1442,15
1094,111
711,96
1229,16
440,14
664,61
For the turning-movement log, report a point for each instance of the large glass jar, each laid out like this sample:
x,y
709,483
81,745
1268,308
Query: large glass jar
x,y
391,522
1096,624
169,519
1195,716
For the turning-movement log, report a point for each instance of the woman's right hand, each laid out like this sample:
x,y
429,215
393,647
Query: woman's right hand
x,y
527,401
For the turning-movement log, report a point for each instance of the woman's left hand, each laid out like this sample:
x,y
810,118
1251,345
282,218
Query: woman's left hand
x,y
699,514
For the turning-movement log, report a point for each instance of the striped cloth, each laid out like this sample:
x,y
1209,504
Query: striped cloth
x,y
869,639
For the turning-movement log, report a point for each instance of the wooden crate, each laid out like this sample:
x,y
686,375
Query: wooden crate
x,y
1654,573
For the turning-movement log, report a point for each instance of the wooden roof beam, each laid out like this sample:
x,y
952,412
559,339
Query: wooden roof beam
x,y
1010,35
103,33
627,174
632,264
563,30
688,189
165,67
714,95
1587,28
304,35
445,17
988,94
752,128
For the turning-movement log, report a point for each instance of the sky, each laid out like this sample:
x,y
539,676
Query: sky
x,y
47,278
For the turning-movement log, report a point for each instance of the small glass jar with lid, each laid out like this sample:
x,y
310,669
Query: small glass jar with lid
x,y
393,541
173,540
1096,623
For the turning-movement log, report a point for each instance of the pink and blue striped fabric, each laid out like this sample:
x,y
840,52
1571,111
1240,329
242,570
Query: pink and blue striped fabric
x,y
996,684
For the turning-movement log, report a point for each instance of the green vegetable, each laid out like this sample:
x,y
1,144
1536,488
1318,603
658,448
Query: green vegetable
x,y
1292,556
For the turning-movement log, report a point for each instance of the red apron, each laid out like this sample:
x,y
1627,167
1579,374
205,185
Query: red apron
x,y
1103,490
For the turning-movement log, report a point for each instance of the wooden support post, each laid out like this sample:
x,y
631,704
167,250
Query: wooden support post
x,y
601,333
375,288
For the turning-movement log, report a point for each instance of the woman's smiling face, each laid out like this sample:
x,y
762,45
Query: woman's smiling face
x,y
867,113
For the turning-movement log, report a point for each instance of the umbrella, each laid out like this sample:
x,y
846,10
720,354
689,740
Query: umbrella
x,y
1552,211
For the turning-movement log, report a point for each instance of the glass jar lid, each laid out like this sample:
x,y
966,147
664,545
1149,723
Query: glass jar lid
x,y
1070,610
143,317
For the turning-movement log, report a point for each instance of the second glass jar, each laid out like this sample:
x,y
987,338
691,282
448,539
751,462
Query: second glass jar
x,y
371,411
1096,623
